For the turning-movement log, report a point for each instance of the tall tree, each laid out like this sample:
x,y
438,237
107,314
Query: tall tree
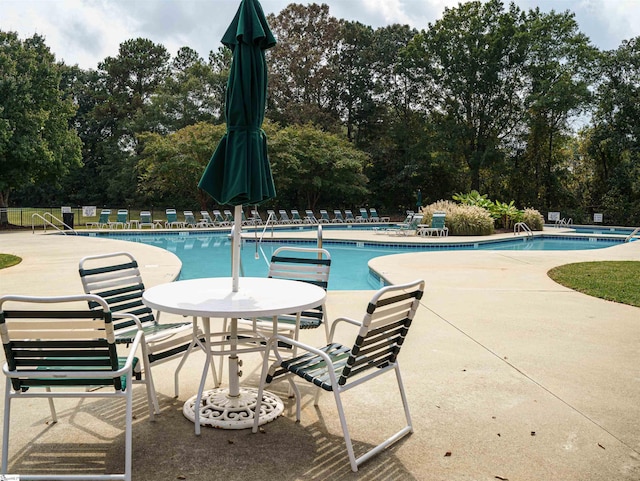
x,y
471,61
129,82
614,139
37,142
558,69
355,83
302,73
189,94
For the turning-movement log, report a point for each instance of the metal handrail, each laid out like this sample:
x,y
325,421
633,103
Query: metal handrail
x,y
47,222
319,242
522,227
632,235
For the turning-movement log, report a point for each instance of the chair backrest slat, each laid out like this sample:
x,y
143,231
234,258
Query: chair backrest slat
x,y
384,328
120,285
54,342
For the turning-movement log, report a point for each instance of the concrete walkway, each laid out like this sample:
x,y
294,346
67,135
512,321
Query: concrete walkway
x,y
508,374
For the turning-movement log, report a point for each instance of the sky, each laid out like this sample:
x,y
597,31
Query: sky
x,y
85,32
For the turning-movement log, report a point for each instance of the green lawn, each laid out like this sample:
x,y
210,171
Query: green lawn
x,y
617,281
7,260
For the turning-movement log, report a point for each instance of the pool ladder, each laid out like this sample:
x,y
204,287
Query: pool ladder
x,y
633,234
46,222
522,227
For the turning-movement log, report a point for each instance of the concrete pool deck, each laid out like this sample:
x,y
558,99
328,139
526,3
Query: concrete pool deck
x,y
508,375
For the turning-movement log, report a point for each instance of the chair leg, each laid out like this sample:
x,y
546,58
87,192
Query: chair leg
x,y
5,427
345,431
152,399
128,439
52,407
403,395
263,377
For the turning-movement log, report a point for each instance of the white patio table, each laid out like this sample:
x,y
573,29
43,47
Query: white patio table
x,y
233,407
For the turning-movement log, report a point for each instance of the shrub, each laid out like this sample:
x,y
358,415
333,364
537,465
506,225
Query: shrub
x,y
533,219
461,219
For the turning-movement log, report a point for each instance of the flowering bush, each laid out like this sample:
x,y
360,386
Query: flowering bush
x,y
533,219
461,219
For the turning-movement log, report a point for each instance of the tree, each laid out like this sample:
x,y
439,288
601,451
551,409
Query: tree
x,y
37,143
192,92
128,83
558,71
171,165
471,64
311,168
302,73
614,139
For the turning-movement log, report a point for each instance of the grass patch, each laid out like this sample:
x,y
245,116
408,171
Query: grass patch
x,y
617,281
7,260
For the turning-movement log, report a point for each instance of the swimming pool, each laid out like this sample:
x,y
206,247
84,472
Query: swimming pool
x,y
209,254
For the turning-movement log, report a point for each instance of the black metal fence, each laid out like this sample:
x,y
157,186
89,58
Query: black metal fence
x,y
72,216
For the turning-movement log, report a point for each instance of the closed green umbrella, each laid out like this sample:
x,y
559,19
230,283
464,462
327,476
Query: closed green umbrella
x,y
239,171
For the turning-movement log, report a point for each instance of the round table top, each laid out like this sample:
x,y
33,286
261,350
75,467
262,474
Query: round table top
x,y
212,297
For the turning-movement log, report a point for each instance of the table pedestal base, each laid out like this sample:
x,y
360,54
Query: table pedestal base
x,y
219,410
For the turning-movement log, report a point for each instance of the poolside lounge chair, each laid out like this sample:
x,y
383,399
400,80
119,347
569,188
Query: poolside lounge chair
x,y
255,217
310,217
145,220
228,216
80,354
324,217
337,217
364,216
189,219
374,217
116,278
284,217
394,227
348,216
409,228
122,220
103,220
205,220
221,221
272,217
295,217
172,219
436,227
337,368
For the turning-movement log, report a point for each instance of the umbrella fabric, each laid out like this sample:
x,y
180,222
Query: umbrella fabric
x,y
419,198
239,171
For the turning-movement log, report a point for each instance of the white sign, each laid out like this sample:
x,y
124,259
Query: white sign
x,y
597,217
89,210
553,215
65,210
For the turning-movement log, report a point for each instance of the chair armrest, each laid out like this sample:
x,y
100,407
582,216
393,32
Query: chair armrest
x,y
128,365
301,345
126,315
342,319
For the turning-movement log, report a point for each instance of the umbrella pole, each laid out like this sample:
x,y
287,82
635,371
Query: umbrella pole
x,y
235,250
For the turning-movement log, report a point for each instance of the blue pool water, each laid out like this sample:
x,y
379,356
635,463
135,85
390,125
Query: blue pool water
x,y
209,254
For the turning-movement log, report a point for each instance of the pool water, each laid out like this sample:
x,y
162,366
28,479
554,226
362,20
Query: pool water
x,y
209,254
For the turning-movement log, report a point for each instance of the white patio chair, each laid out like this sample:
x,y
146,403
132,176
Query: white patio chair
x,y
338,368
66,351
116,278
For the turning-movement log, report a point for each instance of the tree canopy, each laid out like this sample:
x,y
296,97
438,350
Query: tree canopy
x,y
37,143
514,103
